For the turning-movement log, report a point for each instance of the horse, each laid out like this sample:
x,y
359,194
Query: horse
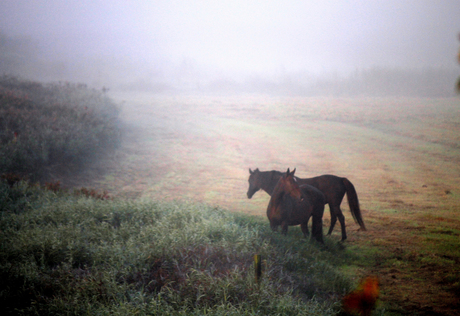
x,y
291,205
333,188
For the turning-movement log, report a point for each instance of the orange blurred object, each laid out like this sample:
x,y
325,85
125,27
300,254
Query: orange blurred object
x,y
362,300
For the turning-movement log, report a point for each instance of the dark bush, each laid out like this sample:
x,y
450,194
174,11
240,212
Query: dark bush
x,y
45,127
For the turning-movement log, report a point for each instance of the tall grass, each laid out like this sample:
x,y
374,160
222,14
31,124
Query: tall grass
x,y
67,254
49,127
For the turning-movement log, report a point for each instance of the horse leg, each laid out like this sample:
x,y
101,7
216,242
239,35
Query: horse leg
x,y
284,228
333,219
317,228
304,227
342,223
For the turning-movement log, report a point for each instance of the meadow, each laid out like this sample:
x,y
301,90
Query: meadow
x,y
402,155
70,250
179,234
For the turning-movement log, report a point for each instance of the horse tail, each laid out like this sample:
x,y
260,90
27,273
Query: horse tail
x,y
353,202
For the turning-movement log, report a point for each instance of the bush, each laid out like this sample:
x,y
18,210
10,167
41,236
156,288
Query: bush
x,y
44,127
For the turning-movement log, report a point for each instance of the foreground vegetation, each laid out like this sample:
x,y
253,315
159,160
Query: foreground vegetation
x,y
63,253
47,129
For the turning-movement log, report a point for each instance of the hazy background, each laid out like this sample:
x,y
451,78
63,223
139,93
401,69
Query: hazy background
x,y
388,47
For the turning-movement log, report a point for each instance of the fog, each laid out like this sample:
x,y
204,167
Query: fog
x,y
236,45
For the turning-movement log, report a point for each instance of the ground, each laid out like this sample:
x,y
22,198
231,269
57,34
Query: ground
x,y
402,155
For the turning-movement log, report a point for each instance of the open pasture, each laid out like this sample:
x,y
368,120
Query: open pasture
x,y
402,155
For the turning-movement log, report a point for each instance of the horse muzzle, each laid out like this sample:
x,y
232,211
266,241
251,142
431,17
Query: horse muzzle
x,y
250,193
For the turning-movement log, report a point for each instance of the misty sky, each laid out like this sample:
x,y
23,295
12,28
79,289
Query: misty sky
x,y
243,36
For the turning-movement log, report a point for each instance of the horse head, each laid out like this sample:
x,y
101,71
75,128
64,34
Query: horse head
x,y
254,182
289,184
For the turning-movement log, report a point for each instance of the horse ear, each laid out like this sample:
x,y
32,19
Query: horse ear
x,y
250,171
288,173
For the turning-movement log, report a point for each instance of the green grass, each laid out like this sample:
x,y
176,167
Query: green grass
x,y
67,254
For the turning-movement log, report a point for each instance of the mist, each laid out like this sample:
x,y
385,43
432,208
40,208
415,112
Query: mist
x,y
315,47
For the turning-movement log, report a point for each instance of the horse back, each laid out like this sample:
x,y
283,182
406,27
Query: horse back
x,y
331,186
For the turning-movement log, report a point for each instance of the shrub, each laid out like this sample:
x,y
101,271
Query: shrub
x,y
45,127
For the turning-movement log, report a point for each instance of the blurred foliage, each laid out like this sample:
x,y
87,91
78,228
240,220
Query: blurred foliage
x,y
46,126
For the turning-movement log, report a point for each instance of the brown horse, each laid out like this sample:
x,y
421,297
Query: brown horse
x,y
291,204
333,188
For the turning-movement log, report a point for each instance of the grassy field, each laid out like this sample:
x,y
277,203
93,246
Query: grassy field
x,y
67,254
402,155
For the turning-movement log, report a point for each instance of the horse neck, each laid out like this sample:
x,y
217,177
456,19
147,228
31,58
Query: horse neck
x,y
269,181
277,193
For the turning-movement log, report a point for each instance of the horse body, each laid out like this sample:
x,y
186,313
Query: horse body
x,y
333,188
284,210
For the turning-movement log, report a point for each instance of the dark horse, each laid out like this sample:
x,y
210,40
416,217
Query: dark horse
x,y
333,188
291,204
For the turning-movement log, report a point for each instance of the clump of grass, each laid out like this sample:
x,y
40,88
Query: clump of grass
x,y
45,127
67,254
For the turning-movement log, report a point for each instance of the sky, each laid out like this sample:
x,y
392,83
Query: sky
x,y
242,37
